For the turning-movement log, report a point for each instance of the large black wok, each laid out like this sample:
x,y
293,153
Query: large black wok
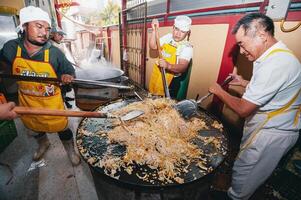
x,y
194,178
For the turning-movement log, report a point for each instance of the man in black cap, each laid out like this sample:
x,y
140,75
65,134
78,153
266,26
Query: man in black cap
x,y
57,35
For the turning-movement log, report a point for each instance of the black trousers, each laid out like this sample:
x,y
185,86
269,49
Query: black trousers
x,y
63,135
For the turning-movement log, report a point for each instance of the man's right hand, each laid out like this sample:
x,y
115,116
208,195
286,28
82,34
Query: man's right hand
x,y
66,78
155,24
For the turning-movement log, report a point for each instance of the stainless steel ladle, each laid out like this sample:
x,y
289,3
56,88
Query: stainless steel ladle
x,y
189,107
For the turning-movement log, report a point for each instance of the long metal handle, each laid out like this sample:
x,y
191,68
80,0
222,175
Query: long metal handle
x,y
101,83
204,97
226,81
163,72
57,81
49,112
166,90
30,78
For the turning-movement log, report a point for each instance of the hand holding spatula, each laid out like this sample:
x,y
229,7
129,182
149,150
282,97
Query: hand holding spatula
x,y
189,107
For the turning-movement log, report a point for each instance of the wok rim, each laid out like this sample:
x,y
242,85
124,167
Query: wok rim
x,y
121,73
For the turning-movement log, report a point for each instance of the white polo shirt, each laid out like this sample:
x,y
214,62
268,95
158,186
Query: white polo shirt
x,y
275,81
184,48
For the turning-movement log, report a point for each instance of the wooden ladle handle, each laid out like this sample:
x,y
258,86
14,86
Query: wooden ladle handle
x,y
50,112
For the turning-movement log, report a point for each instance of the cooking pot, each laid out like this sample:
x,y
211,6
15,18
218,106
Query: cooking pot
x,y
109,74
129,186
89,97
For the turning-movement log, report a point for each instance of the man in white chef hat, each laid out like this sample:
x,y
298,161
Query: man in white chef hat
x,y
32,55
177,53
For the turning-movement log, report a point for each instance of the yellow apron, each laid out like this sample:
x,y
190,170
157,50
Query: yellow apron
x,y
41,95
156,84
269,115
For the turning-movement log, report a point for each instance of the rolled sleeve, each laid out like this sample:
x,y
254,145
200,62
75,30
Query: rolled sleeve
x,y
186,53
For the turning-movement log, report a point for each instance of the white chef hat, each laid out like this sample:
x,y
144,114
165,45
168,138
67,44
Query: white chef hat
x,y
31,13
182,22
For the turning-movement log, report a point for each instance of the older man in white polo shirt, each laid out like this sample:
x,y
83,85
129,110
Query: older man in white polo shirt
x,y
271,104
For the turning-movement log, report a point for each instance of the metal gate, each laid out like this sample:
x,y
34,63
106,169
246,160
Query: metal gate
x,y
132,26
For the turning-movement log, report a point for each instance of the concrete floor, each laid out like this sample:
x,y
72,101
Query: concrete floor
x,y
58,179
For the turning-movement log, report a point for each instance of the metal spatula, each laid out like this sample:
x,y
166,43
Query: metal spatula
x,y
57,81
132,115
189,107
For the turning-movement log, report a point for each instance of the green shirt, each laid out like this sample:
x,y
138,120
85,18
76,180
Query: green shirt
x,y
57,58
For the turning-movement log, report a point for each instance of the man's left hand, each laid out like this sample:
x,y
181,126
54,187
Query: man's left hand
x,y
215,88
163,63
66,78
